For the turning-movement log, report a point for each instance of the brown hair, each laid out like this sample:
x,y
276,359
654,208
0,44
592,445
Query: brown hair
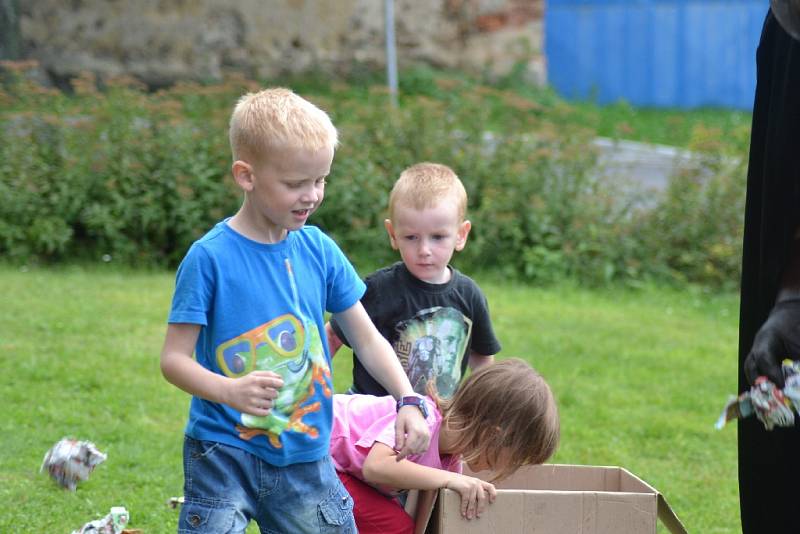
x,y
424,184
508,406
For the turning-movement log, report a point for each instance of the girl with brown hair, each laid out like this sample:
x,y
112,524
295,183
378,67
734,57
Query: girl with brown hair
x,y
502,417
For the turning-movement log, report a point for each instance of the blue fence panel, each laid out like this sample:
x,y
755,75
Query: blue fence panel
x,y
664,53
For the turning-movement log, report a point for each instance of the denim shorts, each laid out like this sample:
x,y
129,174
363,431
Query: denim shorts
x,y
225,488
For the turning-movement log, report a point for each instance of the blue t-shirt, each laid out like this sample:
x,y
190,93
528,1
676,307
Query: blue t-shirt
x,y
261,307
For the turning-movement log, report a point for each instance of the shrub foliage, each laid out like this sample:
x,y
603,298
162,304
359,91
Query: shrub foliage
x,y
117,173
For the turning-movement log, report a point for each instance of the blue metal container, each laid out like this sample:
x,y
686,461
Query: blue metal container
x,y
661,53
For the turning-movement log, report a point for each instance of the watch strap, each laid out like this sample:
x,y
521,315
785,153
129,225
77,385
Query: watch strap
x,y
414,400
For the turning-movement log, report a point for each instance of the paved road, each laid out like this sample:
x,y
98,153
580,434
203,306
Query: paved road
x,y
649,166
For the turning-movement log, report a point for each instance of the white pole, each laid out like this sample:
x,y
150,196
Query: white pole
x,y
391,52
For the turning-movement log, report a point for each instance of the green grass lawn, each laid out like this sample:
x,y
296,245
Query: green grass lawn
x,y
640,378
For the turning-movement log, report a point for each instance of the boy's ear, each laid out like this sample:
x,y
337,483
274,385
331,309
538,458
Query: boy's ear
x,y
387,223
243,175
463,232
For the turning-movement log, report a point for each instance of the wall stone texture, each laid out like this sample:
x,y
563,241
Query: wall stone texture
x,y
163,41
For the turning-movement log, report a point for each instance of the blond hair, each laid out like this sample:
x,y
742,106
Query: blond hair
x,y
504,406
278,118
424,184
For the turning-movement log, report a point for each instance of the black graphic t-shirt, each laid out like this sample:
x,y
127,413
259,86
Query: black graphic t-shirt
x,y
432,327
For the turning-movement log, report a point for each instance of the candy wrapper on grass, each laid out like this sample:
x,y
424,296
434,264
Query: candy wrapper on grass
x,y
174,502
70,461
114,523
771,405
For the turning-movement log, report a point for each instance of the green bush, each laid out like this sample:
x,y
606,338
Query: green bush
x,y
694,233
117,174
125,175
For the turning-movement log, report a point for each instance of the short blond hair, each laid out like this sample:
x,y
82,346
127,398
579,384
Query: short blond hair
x,y
278,118
424,184
505,405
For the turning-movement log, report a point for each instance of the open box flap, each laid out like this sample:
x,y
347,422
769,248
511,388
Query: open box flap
x,y
668,518
666,514
426,501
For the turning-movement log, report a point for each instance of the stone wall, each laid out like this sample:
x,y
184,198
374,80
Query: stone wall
x,y
161,41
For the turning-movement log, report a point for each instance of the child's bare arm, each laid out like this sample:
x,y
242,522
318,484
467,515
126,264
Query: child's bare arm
x,y
252,393
334,343
479,360
374,351
411,431
381,468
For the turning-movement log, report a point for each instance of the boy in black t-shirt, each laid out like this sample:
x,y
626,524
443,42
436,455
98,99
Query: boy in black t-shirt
x,y
435,317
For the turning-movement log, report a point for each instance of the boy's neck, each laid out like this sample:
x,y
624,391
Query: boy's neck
x,y
252,228
443,278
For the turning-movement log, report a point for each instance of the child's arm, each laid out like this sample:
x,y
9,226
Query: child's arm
x,y
412,434
252,393
334,343
381,468
479,360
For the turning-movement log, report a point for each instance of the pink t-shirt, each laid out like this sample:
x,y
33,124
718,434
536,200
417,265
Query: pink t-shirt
x,y
361,420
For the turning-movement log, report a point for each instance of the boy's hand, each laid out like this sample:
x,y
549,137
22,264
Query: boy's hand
x,y
475,493
412,434
254,392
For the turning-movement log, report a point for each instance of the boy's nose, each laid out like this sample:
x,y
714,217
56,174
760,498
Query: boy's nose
x,y
310,195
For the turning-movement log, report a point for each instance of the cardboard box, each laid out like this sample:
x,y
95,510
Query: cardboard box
x,y
560,499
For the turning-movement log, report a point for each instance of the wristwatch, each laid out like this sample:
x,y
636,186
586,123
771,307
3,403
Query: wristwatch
x,y
414,400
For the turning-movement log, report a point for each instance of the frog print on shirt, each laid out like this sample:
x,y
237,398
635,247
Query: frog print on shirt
x,y
293,349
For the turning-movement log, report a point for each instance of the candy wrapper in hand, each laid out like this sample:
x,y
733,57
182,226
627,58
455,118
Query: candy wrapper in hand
x,y
736,408
70,461
791,388
114,523
772,406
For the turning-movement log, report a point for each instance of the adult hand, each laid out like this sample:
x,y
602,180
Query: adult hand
x,y
776,340
412,434
254,392
475,494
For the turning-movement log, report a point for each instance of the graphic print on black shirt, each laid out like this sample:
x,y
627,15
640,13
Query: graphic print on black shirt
x,y
430,344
